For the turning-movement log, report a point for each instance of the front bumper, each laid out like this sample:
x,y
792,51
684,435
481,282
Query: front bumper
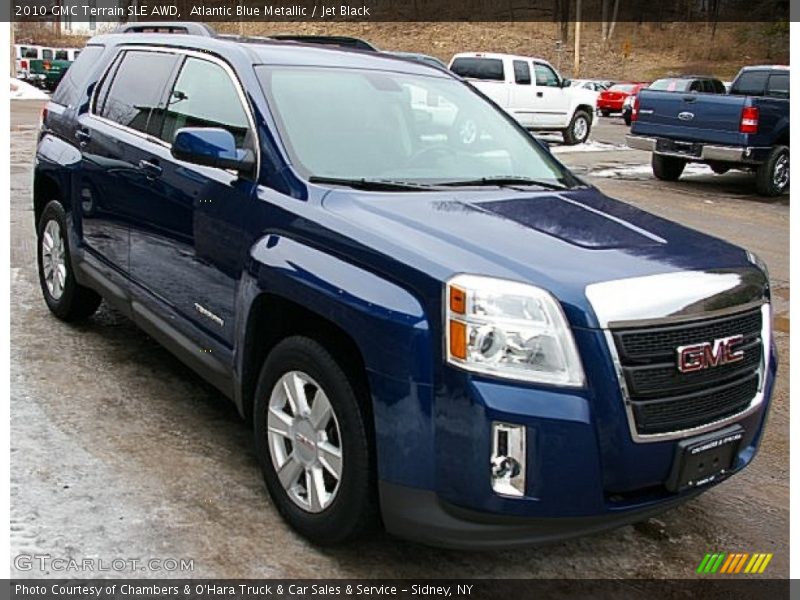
x,y
584,472
422,516
702,152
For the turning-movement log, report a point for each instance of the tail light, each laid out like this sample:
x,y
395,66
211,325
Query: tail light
x,y
749,122
23,64
635,109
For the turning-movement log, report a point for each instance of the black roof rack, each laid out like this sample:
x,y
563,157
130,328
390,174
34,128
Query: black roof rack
x,y
327,40
167,27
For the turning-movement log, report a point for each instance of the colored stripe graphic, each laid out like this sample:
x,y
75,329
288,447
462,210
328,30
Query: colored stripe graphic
x,y
726,566
718,563
764,564
734,563
742,560
701,567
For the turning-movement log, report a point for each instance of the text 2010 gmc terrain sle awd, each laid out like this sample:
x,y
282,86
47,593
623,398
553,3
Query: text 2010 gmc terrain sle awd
x,y
428,320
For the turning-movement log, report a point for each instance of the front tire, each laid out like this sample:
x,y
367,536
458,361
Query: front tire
x,y
579,128
772,176
311,438
65,297
667,168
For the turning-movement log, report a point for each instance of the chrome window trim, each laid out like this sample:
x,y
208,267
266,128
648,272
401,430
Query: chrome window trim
x,y
185,52
755,403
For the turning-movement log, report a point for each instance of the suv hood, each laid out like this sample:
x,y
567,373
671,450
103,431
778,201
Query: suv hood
x,y
559,241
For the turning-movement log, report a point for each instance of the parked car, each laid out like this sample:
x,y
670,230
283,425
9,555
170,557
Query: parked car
x,y
23,54
613,99
531,91
589,84
745,129
450,334
46,72
689,84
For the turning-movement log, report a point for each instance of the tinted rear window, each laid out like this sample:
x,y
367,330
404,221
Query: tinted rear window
x,y
670,84
73,85
750,83
138,90
778,85
479,68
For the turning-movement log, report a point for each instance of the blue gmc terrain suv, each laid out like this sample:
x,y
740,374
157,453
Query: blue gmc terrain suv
x,y
428,320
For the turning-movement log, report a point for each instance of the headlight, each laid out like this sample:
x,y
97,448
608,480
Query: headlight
x,y
509,329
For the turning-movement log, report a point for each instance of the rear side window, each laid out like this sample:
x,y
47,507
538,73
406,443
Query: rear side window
x,y
135,97
61,55
205,96
47,54
778,85
750,83
490,69
522,72
28,52
73,85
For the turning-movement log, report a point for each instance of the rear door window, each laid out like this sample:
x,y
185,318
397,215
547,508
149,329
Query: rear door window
x,y
47,54
490,69
136,95
61,55
29,52
204,95
522,72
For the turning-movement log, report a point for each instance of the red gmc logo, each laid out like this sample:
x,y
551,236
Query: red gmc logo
x,y
709,354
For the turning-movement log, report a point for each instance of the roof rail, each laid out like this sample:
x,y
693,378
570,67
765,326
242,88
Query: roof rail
x,y
167,27
342,41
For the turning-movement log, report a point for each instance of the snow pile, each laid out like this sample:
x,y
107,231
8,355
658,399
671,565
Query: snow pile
x,y
25,91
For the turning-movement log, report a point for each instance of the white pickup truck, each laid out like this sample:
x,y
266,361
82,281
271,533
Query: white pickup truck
x,y
531,91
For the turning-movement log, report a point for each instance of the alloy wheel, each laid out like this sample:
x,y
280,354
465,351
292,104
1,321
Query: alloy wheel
x,y
54,265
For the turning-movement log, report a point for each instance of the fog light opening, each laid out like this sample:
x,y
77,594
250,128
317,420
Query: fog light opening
x,y
508,459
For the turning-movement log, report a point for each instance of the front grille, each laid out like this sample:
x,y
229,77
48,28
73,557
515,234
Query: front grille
x,y
663,399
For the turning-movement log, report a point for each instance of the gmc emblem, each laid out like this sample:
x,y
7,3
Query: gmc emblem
x,y
709,354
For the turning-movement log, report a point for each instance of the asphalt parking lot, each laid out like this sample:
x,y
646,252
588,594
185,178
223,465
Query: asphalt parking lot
x,y
119,451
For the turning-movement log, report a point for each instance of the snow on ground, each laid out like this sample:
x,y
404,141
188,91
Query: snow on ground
x,y
590,146
628,171
25,91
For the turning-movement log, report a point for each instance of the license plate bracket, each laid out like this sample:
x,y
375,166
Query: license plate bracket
x,y
704,459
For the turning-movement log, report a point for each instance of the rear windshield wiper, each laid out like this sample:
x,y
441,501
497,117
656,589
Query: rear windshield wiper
x,y
385,185
503,180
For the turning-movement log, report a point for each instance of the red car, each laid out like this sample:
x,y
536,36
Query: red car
x,y
612,99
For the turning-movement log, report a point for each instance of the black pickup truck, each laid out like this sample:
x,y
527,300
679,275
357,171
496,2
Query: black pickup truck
x,y
745,129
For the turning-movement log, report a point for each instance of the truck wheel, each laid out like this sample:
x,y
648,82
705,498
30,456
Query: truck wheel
x,y
667,168
65,298
311,440
627,118
772,176
579,128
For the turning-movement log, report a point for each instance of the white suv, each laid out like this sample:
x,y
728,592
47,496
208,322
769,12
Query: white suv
x,y
531,91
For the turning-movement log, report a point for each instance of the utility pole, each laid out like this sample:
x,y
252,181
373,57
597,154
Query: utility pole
x,y
577,68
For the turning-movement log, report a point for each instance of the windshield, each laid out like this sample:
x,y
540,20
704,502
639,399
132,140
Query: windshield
x,y
366,124
622,87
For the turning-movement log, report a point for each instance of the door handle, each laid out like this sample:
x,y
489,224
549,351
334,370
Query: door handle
x,y
538,94
83,136
151,168
690,98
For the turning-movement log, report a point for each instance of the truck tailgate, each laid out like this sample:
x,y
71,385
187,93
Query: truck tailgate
x,y
710,118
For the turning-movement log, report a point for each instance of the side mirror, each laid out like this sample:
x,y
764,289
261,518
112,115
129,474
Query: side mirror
x,y
565,83
212,147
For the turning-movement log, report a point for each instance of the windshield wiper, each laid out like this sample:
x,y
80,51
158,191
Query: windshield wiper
x,y
385,185
504,180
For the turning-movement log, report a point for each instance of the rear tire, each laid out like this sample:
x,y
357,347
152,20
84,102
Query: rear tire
x,y
667,168
65,297
303,446
772,176
579,128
